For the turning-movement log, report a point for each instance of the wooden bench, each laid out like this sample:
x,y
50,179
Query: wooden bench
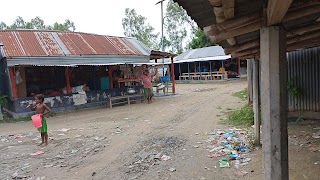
x,y
126,99
184,77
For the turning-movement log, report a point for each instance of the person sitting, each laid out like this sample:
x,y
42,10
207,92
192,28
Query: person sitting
x,y
205,69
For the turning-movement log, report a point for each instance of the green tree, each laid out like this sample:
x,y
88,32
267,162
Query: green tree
x,y
66,26
19,23
178,26
37,23
200,40
3,25
135,25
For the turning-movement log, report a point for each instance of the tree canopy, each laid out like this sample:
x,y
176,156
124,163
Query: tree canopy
x,y
135,25
200,40
178,26
38,23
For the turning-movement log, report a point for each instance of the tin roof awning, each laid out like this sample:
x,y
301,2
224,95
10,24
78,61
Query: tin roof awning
x,y
94,60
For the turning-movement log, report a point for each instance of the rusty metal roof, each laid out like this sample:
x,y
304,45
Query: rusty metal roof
x,y
28,43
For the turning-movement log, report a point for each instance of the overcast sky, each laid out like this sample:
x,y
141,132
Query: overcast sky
x,y
90,16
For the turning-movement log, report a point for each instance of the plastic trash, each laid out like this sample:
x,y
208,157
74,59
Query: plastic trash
x,y
37,153
224,163
37,120
237,164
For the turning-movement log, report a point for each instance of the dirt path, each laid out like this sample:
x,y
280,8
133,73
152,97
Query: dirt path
x,y
121,143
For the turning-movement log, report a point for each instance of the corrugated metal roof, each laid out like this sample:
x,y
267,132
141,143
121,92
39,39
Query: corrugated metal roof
x,y
19,43
207,53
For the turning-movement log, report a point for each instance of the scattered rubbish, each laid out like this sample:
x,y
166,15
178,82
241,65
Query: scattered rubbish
x,y
224,163
37,153
172,169
195,146
41,178
25,166
77,136
318,162
184,149
15,175
237,164
93,174
165,158
196,133
19,136
73,151
99,138
126,118
61,134
231,145
64,130
316,135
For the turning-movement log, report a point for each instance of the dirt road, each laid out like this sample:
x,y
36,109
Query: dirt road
x,y
121,143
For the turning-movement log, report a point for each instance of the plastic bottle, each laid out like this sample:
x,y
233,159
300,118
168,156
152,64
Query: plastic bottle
x,y
237,164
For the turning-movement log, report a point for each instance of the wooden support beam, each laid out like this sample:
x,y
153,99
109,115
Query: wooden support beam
x,y
276,11
238,22
110,69
301,12
242,47
14,91
236,32
304,44
173,77
274,103
67,75
244,53
250,23
249,56
228,9
220,14
315,34
304,29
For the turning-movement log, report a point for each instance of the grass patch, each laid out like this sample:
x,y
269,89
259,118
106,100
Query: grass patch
x,y
241,94
241,117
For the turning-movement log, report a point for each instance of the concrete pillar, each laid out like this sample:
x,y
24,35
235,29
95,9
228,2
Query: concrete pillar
x,y
274,102
256,102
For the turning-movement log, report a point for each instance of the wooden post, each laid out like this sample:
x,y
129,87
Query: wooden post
x,y
239,63
67,74
188,70
156,74
249,79
210,63
274,102
256,102
13,83
110,68
179,70
173,78
223,69
200,70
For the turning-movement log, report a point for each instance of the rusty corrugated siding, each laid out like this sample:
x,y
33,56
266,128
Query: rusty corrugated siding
x,y
57,43
304,71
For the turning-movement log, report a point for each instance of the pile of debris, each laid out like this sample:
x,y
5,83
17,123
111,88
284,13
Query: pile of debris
x,y
231,146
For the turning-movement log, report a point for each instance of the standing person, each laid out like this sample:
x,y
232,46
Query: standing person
x,y
42,109
146,79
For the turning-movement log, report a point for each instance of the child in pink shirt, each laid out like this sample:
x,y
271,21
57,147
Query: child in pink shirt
x,y
146,79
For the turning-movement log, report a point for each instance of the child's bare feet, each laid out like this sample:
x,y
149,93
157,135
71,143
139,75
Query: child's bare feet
x,y
41,144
